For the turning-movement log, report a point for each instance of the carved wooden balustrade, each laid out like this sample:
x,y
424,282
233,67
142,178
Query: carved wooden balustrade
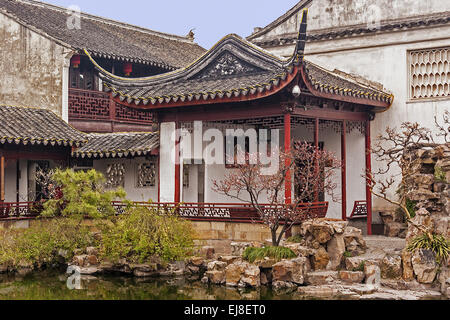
x,y
225,212
20,210
220,212
99,106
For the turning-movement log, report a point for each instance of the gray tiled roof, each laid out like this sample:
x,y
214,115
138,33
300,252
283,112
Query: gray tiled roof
x,y
235,68
327,81
21,125
106,38
118,145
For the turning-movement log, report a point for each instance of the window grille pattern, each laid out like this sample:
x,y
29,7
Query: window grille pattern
x,y
429,73
115,175
146,175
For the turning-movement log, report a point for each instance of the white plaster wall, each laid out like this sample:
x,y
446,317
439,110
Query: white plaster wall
x,y
190,193
31,67
389,66
10,181
167,161
324,15
23,183
133,193
356,167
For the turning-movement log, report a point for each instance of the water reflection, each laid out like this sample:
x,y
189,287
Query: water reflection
x,y
53,285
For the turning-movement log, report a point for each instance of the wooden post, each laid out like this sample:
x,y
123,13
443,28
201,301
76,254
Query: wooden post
x,y
177,163
316,145
368,169
344,169
2,178
287,149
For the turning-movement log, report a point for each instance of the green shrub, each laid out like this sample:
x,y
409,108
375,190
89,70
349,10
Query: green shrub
x,y
143,233
348,254
438,244
82,194
41,243
295,239
252,254
360,267
439,174
411,206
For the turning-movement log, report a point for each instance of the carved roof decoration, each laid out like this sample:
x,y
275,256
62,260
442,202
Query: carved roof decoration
x,y
33,126
237,70
103,37
118,145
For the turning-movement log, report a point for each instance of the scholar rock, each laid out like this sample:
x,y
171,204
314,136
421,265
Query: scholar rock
x,y
290,270
318,278
320,259
217,266
335,250
391,267
215,277
424,265
408,271
351,276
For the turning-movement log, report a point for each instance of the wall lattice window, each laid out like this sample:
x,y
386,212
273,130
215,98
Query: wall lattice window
x,y
429,73
115,175
146,175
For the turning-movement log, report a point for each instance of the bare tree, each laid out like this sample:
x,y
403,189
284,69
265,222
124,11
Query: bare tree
x,y
395,149
312,170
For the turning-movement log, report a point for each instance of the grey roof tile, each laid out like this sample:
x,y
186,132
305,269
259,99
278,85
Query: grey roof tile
x,y
103,37
22,125
118,145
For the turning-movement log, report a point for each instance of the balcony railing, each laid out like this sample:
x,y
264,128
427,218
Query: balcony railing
x,y
20,210
99,106
231,212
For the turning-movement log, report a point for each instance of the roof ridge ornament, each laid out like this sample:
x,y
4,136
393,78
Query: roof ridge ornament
x,y
301,38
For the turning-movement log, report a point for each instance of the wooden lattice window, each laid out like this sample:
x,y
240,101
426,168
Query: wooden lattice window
x,y
115,175
146,175
429,73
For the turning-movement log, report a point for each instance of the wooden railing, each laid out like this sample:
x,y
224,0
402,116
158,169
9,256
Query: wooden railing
x,y
226,212
235,212
15,210
99,106
359,210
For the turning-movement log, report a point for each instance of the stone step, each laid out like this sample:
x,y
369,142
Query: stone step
x,y
385,243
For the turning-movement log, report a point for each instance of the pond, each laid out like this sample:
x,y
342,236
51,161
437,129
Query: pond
x,y
54,285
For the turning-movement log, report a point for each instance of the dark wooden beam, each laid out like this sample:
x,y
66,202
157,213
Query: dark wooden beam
x,y
316,145
344,169
2,178
177,163
330,114
368,149
221,113
17,155
287,149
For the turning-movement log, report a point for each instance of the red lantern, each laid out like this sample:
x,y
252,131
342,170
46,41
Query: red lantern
x,y
75,61
127,68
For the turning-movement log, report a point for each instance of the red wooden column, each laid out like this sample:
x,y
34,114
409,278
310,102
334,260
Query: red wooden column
x,y
177,163
2,178
344,169
368,169
287,148
316,145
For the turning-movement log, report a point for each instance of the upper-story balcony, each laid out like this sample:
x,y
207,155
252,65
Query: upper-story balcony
x,y
96,111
